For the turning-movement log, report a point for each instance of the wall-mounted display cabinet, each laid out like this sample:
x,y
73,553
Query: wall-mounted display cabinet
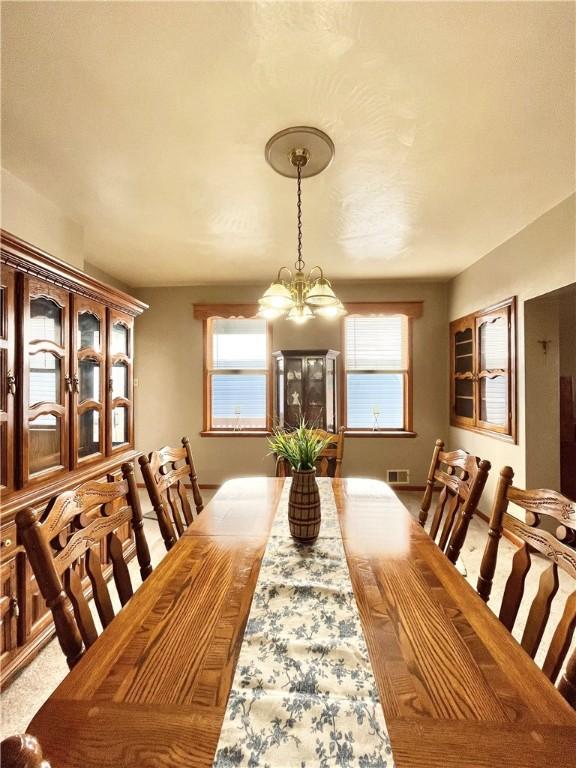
x,y
66,411
483,371
306,388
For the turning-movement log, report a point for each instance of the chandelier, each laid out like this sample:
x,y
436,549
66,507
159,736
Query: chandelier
x,y
299,153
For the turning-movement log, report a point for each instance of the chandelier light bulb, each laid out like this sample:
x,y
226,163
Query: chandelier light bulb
x,y
300,315
335,310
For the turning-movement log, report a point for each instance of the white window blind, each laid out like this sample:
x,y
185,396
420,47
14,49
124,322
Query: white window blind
x,y
238,373
238,344
44,383
376,360
376,343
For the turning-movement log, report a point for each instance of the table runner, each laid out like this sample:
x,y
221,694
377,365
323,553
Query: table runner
x,y
304,693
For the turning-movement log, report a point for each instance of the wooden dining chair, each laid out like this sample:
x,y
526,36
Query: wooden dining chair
x,y
166,473
538,506
462,478
329,463
22,752
80,523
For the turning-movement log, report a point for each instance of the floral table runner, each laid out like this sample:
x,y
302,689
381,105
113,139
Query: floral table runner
x,y
304,693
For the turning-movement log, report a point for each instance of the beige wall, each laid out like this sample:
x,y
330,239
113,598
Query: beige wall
x,y
542,389
539,259
104,277
169,371
37,220
34,218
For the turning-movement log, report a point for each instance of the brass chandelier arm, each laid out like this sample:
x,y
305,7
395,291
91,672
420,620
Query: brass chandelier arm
x,y
284,269
319,270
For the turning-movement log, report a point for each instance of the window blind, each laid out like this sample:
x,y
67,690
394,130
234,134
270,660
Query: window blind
x,y
376,359
238,344
42,328
238,402
376,343
494,344
375,400
238,373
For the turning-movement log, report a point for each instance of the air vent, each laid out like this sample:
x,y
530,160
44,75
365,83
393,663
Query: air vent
x,y
398,476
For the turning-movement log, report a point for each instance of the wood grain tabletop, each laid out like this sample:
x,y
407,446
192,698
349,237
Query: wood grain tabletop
x,y
457,690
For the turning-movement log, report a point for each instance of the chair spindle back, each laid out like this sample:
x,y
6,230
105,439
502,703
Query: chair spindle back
x,y
69,536
166,473
462,478
537,505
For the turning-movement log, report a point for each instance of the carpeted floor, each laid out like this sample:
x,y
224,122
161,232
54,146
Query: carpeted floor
x,y
35,683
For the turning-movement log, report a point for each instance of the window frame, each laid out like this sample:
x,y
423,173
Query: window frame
x,y
208,313
409,310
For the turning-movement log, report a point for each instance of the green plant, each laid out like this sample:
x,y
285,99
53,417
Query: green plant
x,y
299,448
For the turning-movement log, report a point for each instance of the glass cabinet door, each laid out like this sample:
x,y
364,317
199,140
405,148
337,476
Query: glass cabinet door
x,y
120,381
463,382
279,414
46,378
493,370
89,356
314,395
330,395
294,391
306,388
8,379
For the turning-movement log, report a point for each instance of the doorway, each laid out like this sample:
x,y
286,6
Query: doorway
x,y
550,358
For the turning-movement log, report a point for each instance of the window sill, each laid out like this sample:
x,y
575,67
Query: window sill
x,y
371,433
235,433
504,436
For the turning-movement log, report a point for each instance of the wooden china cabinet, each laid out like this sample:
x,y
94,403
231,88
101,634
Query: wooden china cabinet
x,y
306,388
66,413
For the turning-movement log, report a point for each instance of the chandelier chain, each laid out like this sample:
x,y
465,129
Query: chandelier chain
x,y
299,263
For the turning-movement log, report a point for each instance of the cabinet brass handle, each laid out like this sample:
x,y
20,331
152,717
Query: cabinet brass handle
x,y
14,607
6,542
76,384
68,381
11,379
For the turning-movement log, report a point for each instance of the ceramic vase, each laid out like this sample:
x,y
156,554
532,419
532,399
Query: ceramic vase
x,y
304,506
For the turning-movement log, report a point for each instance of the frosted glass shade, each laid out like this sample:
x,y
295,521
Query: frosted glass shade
x,y
268,313
321,294
278,296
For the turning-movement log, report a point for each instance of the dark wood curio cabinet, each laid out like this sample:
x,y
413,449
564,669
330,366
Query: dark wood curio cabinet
x,y
66,413
306,388
483,370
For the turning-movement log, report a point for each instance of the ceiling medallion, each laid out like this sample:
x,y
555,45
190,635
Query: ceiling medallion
x,y
299,153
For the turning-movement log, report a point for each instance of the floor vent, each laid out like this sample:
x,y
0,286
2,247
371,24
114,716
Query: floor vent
x,y
400,476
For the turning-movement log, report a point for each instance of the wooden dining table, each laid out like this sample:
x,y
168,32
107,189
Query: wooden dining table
x,y
457,691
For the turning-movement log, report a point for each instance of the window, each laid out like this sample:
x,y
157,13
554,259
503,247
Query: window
x,y
377,372
483,379
237,368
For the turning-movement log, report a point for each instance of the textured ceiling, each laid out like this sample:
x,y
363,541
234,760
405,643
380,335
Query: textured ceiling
x,y
146,122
